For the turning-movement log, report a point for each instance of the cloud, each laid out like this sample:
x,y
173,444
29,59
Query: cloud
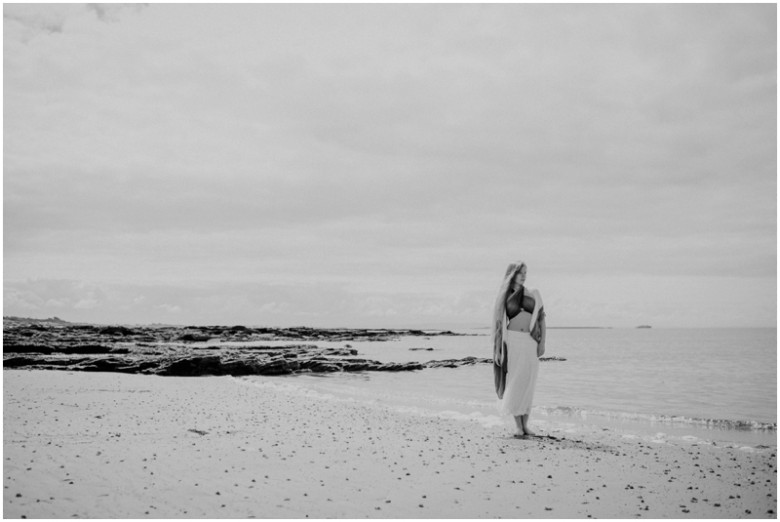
x,y
171,309
313,303
376,146
86,304
25,22
112,12
608,300
29,19
41,296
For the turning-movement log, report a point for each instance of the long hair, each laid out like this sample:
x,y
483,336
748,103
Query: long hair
x,y
500,307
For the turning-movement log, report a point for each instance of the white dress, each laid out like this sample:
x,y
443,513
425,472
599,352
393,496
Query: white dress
x,y
522,363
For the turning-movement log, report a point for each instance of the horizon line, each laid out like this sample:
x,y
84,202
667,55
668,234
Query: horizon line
x,y
439,326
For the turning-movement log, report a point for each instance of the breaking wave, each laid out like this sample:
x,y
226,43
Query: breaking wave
x,y
678,420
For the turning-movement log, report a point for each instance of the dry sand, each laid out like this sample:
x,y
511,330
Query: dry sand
x,y
107,445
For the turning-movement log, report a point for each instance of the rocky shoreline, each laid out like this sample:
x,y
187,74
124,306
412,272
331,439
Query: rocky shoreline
x,y
53,344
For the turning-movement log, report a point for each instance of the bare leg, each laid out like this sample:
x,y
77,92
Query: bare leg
x,y
520,431
524,422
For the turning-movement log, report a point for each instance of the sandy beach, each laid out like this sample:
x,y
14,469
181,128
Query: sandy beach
x,y
108,445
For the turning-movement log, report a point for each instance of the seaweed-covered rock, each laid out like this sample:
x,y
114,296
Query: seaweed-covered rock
x,y
116,330
193,366
20,362
194,338
168,350
26,348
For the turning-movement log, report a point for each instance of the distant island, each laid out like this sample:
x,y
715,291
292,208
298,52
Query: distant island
x,y
644,326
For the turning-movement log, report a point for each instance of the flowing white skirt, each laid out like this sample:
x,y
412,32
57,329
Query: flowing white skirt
x,y
522,369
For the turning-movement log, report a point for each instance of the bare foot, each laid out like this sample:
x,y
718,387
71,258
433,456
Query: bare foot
x,y
519,435
530,433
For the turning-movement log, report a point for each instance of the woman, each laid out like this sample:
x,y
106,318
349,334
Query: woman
x,y
519,335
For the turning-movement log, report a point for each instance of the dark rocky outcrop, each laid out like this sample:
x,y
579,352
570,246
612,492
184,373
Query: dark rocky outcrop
x,y
196,351
20,330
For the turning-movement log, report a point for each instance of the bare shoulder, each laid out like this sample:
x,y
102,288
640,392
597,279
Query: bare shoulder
x,y
532,300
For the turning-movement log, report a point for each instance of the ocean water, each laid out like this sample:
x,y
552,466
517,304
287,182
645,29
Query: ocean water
x,y
696,385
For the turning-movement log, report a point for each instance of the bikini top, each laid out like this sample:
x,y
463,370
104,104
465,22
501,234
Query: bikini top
x,y
524,320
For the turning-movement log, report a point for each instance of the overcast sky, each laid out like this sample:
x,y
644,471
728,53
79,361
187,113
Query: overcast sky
x,y
380,165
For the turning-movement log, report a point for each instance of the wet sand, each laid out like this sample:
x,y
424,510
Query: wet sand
x,y
108,445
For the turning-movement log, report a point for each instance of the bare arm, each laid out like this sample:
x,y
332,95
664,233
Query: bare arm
x,y
541,333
